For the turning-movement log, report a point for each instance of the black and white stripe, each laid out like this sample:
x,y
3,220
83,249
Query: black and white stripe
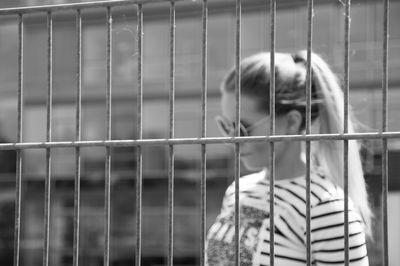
x,y
327,221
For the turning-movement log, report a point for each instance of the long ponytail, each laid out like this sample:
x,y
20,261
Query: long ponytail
x,y
329,154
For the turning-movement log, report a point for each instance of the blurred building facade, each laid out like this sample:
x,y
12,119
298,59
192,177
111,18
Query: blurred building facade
x,y
365,97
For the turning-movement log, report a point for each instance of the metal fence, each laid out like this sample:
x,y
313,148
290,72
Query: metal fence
x,y
171,141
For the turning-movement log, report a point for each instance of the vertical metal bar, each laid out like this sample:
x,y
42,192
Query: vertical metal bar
x,y
77,192
171,173
272,132
139,167
346,130
203,194
18,185
384,129
237,129
310,9
107,202
48,138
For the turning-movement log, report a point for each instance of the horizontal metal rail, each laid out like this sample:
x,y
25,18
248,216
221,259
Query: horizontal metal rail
x,y
209,140
75,6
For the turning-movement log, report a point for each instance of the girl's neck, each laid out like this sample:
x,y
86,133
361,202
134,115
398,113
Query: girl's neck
x,y
290,165
290,170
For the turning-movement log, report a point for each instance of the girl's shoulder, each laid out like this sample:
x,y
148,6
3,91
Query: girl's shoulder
x,y
321,188
250,182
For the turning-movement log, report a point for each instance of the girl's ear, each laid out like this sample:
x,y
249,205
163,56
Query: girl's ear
x,y
294,120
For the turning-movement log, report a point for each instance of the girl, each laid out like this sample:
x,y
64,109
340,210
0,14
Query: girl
x,y
327,197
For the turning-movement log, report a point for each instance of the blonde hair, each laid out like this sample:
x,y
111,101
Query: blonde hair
x,y
327,104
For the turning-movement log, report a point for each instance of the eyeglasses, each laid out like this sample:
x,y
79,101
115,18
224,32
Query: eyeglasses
x,y
227,127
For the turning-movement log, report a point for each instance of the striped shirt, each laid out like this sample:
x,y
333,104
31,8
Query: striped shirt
x,y
327,224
